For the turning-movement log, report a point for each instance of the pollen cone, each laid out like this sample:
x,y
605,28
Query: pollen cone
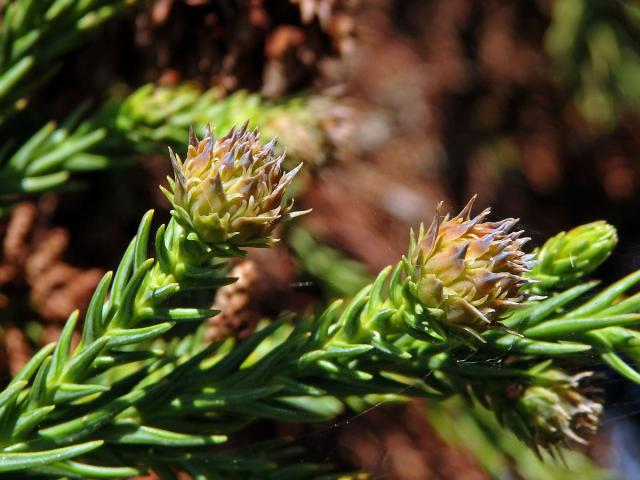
x,y
466,270
231,190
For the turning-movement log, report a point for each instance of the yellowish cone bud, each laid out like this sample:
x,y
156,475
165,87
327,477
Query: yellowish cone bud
x,y
231,190
468,271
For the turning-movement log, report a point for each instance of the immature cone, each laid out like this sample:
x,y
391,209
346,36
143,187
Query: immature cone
x,y
569,256
467,271
231,190
561,413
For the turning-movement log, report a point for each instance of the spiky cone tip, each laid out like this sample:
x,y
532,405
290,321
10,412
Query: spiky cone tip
x,y
466,271
231,190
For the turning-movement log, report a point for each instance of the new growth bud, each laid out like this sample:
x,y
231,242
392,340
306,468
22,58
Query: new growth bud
x,y
569,256
231,190
467,271
562,412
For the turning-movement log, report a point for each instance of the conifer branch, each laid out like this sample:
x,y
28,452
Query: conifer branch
x,y
442,322
34,34
144,123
